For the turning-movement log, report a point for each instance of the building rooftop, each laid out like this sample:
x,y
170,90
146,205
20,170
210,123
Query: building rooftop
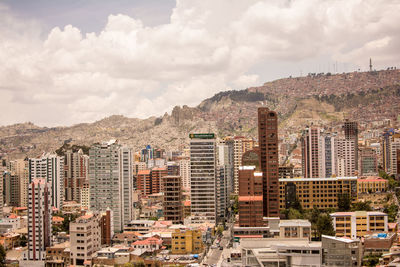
x,y
341,239
359,213
243,168
250,198
291,223
144,172
316,179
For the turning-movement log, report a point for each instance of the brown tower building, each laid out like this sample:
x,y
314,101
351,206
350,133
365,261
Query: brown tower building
x,y
172,202
250,196
269,161
351,133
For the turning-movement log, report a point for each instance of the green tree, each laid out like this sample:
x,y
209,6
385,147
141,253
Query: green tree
x,y
371,260
235,204
361,205
324,226
294,214
391,211
2,256
23,241
344,202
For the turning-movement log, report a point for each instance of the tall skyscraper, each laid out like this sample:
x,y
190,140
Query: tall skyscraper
x,y
310,151
203,178
76,173
172,200
328,155
346,162
110,175
351,133
11,189
21,169
222,196
269,161
1,196
184,170
226,158
39,219
50,167
241,144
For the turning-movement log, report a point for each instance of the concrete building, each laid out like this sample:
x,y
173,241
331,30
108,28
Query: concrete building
x,y
241,144
328,155
395,156
39,219
186,241
250,197
295,229
184,170
359,223
21,169
280,252
368,162
346,158
156,178
85,238
203,178
222,195
85,196
11,189
107,227
143,182
51,167
371,184
321,193
1,196
338,251
351,134
310,150
172,201
110,173
269,160
76,166
226,158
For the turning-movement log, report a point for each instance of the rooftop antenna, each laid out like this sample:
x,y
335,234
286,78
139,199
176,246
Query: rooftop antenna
x,y
370,64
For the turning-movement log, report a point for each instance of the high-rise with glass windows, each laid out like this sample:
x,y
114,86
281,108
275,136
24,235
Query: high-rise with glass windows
x,y
110,175
203,178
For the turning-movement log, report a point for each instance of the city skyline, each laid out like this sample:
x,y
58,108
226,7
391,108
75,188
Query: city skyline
x,y
140,60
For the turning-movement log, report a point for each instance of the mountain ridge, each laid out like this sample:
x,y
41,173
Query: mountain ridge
x,y
319,98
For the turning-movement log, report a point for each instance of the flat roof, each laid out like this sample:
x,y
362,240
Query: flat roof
x,y
316,179
342,239
294,223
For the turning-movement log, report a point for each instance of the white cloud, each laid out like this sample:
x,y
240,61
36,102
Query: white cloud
x,y
128,68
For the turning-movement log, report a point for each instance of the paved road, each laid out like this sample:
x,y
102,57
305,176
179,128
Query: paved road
x,y
214,255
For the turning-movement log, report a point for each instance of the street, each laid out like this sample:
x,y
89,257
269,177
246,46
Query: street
x,y
214,255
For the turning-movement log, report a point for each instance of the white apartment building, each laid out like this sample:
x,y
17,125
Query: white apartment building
x,y
39,219
50,167
85,238
184,169
110,175
346,158
85,196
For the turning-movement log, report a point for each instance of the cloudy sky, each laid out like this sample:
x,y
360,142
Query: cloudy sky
x,y
66,62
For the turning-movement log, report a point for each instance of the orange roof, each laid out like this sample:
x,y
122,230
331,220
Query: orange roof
x,y
13,216
371,179
250,198
148,241
20,208
57,219
187,203
160,169
392,225
144,172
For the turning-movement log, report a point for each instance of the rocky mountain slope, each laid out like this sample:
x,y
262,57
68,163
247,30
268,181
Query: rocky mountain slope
x,y
321,99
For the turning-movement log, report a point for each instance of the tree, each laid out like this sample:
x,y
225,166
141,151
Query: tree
x,y
23,241
2,256
325,226
361,205
294,214
344,202
391,212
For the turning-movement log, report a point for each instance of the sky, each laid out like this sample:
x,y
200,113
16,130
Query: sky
x,y
68,62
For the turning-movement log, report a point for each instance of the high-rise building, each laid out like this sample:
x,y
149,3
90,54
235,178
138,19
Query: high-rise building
x,y
172,199
76,174
184,170
85,196
20,168
85,238
1,196
50,167
143,182
328,155
351,133
241,144
11,189
107,227
203,178
346,159
39,219
394,155
250,197
310,151
110,175
226,158
368,161
156,176
269,161
173,168
222,196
